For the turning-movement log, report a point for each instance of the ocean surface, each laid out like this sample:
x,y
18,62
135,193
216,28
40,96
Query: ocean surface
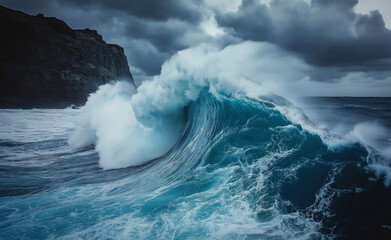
x,y
242,168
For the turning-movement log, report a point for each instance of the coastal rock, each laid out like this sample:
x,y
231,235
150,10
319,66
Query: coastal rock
x,y
46,64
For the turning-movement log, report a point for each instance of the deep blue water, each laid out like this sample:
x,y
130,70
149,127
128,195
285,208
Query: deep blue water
x,y
242,169
370,117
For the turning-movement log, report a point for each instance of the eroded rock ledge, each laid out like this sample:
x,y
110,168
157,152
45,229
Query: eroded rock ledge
x,y
46,64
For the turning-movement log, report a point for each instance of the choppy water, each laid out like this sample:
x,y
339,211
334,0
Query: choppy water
x,y
368,117
242,169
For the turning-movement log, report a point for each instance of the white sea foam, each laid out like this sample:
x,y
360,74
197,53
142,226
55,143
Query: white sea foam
x,y
121,140
336,133
131,128
382,171
297,116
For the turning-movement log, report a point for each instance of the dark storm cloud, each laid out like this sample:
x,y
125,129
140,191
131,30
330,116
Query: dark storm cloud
x,y
167,35
144,56
149,42
328,34
149,30
325,33
31,6
153,9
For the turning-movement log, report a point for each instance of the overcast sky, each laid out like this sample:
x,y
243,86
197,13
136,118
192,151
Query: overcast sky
x,y
346,44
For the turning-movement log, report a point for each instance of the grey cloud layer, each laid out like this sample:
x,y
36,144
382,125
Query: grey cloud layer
x,y
148,9
327,34
149,30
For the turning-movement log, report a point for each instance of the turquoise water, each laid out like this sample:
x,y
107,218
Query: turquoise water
x,y
242,169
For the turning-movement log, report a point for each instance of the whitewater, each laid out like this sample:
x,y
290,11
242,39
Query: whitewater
x,y
205,150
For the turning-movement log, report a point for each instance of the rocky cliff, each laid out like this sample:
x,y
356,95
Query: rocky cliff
x,y
46,64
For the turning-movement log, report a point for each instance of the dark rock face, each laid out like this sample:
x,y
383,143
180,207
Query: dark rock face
x,y
46,64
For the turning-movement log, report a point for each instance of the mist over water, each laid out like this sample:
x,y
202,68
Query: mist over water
x,y
205,150
130,128
367,119
109,122
363,119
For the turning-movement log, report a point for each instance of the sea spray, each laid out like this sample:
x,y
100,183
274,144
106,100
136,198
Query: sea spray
x,y
239,170
130,128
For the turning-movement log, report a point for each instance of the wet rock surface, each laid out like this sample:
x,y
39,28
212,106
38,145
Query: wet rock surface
x,y
46,64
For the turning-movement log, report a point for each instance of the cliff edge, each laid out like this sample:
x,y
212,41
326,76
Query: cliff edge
x,y
46,64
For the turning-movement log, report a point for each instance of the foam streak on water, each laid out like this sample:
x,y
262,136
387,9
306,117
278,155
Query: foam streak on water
x,y
240,170
202,151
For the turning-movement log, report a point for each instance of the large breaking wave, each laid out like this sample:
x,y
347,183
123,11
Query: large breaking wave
x,y
213,147
131,128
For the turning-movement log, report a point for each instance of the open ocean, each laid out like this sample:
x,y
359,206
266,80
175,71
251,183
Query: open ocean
x,y
243,168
